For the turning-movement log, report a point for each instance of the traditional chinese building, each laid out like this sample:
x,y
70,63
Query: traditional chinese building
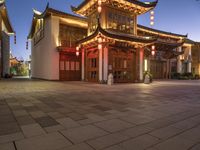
x,y
196,59
106,39
5,31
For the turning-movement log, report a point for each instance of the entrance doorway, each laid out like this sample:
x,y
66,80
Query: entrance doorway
x,y
70,67
123,66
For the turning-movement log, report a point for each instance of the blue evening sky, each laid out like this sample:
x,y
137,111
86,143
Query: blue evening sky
x,y
179,16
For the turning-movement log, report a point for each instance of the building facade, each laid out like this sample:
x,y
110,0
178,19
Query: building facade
x,y
196,59
105,40
6,31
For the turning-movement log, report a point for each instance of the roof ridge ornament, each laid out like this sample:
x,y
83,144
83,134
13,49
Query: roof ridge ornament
x,y
36,12
2,1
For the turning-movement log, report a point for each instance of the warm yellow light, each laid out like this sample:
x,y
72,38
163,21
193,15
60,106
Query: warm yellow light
x,y
145,65
99,46
74,22
99,9
99,2
77,53
99,40
151,23
152,12
77,48
153,47
153,53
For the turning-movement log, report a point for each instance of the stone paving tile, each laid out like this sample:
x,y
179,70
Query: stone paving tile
x,y
166,132
53,128
19,113
11,137
139,143
160,123
113,125
82,146
67,123
25,120
192,134
38,114
107,141
32,130
196,147
55,115
76,116
46,121
95,117
185,124
175,143
135,131
9,128
115,147
51,141
81,134
6,119
7,146
137,119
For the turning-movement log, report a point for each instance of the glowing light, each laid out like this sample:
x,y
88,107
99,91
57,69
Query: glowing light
x,y
152,12
77,48
153,47
77,53
152,17
99,9
100,40
145,65
99,46
153,53
99,2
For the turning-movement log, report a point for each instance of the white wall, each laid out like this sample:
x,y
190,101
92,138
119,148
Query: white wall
x,y
45,57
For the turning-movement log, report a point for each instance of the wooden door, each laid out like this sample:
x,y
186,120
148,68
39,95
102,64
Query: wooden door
x,y
123,66
92,64
70,67
157,69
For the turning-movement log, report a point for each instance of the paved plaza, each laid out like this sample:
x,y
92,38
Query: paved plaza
x,y
43,115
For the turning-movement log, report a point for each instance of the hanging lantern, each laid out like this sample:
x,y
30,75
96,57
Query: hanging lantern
x,y
100,40
77,48
153,47
152,18
15,39
152,12
99,9
77,53
27,45
99,6
99,46
99,2
153,52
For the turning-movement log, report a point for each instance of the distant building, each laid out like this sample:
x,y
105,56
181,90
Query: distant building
x,y
5,31
106,39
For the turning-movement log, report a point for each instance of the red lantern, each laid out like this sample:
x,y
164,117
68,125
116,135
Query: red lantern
x,y
27,45
15,39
